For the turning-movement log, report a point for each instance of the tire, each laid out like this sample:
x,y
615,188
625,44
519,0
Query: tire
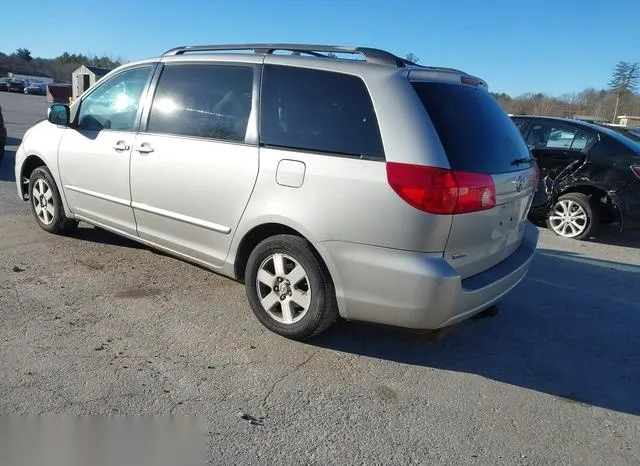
x,y
575,215
300,274
46,204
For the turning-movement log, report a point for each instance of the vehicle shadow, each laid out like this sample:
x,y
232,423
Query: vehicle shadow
x,y
608,234
570,330
7,172
613,237
97,235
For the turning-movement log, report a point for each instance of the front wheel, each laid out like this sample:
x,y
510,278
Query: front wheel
x,y
289,289
574,215
46,203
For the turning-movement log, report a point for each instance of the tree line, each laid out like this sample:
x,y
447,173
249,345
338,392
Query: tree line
x,y
60,68
620,98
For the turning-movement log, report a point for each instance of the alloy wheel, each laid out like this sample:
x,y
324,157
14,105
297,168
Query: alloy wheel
x,y
284,289
42,198
568,219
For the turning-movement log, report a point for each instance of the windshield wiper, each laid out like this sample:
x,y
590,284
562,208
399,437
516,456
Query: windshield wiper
x,y
521,161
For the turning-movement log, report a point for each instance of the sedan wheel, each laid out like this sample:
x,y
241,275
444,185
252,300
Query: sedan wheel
x,y
574,215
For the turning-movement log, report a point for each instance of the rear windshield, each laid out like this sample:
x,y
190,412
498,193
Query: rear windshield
x,y
629,143
476,133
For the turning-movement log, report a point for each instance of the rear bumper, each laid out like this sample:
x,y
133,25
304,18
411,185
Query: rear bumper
x,y
416,290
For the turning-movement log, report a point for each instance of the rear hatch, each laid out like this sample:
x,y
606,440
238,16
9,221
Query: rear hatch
x,y
481,142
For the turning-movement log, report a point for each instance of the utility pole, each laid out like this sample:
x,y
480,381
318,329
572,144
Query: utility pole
x,y
615,112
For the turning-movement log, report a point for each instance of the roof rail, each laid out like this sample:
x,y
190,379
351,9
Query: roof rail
x,y
371,55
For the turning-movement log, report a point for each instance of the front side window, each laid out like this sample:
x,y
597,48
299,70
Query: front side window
x,y
203,100
318,111
114,104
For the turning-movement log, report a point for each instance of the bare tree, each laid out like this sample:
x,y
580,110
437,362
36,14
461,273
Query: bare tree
x,y
624,81
412,58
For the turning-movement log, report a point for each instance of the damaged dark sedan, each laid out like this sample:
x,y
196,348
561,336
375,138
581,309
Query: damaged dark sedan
x,y
589,175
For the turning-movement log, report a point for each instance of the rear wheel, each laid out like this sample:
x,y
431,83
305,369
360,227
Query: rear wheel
x,y
46,203
574,215
289,289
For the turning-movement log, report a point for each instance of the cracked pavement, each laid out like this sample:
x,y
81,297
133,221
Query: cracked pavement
x,y
95,324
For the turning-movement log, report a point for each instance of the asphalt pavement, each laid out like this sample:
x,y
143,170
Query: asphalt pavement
x,y
93,324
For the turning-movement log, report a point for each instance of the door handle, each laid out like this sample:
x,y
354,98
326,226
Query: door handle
x,y
144,148
121,146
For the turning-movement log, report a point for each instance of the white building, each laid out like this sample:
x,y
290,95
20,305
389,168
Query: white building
x,y
629,121
85,77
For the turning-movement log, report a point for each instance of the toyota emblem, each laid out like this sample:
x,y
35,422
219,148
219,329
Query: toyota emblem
x,y
520,183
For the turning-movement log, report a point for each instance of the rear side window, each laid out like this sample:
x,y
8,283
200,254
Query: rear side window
x,y
550,136
203,100
476,133
318,111
583,139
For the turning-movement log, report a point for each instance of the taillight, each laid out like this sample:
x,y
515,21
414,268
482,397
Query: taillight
x,y
441,191
636,170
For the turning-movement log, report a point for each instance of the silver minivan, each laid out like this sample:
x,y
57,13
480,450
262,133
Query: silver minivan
x,y
333,181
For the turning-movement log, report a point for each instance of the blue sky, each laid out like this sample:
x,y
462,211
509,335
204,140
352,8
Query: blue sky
x,y
547,46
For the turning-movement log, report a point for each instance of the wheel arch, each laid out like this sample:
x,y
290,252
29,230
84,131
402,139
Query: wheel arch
x,y
28,166
37,159
603,196
252,235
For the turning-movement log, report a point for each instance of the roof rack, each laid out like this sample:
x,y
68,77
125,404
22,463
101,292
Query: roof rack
x,y
371,55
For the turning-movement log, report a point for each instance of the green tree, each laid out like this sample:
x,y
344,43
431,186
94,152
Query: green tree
x,y
23,54
624,81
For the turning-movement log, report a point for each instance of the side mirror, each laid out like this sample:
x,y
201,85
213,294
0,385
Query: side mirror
x,y
59,114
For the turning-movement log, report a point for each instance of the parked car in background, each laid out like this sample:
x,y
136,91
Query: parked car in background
x,y
329,186
3,135
16,85
4,84
589,175
36,89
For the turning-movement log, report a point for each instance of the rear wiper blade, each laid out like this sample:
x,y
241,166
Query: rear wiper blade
x,y
521,161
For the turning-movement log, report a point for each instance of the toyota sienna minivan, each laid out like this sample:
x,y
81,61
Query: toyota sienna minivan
x,y
370,189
